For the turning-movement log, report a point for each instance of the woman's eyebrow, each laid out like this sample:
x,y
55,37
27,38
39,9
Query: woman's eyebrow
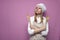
x,y
39,8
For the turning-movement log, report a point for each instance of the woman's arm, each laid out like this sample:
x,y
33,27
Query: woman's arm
x,y
30,31
36,29
45,32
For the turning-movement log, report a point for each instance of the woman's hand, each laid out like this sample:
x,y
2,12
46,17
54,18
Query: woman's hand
x,y
39,29
28,18
47,18
33,27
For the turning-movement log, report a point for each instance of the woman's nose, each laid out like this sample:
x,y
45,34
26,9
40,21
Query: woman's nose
x,y
36,9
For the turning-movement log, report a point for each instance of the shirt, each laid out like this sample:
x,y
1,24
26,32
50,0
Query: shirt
x,y
38,24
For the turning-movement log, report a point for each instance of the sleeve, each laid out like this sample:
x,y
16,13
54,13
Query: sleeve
x,y
30,31
45,32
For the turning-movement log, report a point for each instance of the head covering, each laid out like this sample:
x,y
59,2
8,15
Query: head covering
x,y
42,6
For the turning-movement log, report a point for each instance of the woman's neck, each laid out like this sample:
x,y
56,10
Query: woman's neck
x,y
38,15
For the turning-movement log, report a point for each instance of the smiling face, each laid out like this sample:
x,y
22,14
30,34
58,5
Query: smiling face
x,y
38,10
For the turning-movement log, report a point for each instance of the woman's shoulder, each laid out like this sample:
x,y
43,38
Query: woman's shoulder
x,y
44,19
32,18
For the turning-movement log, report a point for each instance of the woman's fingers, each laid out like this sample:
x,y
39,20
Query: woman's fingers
x,y
47,18
28,18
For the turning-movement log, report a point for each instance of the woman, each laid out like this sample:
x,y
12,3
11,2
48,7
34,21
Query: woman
x,y
38,25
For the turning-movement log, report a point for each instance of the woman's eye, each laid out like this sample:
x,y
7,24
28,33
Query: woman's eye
x,y
36,7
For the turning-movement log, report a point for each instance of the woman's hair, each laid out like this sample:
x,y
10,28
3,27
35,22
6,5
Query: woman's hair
x,y
43,7
41,15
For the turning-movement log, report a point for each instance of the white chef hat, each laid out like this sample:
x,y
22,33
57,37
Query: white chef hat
x,y
42,6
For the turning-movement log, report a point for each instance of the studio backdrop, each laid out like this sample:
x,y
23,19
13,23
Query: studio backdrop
x,y
13,18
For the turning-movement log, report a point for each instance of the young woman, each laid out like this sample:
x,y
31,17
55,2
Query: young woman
x,y
38,24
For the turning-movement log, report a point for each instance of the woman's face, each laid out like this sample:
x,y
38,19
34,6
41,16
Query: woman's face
x,y
38,10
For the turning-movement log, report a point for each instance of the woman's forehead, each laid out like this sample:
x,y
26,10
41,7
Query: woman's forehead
x,y
38,7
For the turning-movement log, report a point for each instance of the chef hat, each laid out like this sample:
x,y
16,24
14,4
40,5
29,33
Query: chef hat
x,y
42,6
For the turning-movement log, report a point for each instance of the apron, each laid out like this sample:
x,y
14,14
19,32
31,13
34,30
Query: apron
x,y
37,36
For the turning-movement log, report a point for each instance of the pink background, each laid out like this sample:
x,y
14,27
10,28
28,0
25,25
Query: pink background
x,y
13,22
